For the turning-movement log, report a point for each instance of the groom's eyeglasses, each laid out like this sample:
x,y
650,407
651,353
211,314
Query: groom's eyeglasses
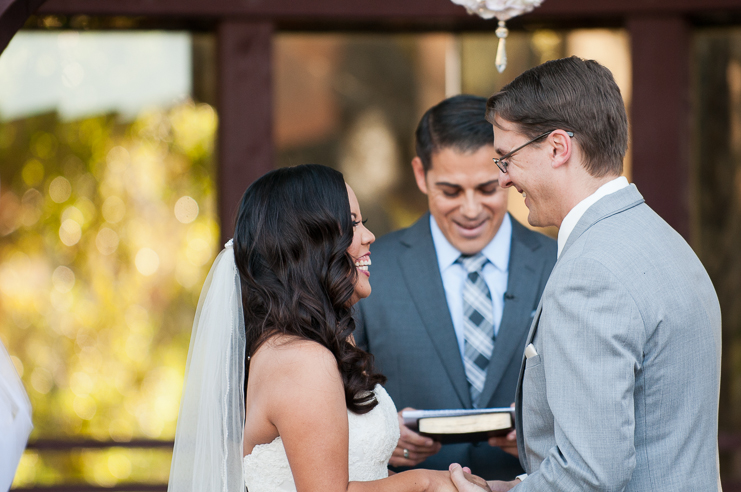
x,y
502,163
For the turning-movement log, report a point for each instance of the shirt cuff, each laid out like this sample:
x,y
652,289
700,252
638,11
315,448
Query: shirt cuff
x,y
522,477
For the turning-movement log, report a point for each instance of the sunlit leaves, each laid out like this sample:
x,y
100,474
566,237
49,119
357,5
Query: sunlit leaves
x,y
106,234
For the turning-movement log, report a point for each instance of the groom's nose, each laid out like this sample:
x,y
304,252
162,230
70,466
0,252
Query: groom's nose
x,y
504,180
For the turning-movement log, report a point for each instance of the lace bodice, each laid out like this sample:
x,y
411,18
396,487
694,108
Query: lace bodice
x,y
373,437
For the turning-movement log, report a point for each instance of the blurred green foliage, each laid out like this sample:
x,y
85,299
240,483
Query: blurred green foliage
x,y
107,231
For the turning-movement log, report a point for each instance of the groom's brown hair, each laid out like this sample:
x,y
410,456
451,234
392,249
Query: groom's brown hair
x,y
574,95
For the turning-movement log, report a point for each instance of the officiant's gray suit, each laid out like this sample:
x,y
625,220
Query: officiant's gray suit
x,y
623,394
406,325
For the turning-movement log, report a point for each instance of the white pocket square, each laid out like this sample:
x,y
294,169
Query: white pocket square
x,y
530,351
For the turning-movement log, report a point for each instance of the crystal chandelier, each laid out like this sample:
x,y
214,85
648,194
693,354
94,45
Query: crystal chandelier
x,y
503,10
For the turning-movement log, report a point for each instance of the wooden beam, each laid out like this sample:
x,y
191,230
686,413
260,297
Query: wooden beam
x,y
245,147
660,111
369,10
13,14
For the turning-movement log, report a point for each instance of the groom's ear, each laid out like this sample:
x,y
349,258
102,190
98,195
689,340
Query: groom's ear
x,y
561,148
419,174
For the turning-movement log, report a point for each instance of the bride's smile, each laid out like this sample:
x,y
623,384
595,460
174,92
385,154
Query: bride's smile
x,y
360,249
363,263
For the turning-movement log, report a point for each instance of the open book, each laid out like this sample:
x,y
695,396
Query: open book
x,y
452,426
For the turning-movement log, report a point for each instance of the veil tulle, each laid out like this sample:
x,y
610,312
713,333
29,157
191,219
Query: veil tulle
x,y
207,456
15,419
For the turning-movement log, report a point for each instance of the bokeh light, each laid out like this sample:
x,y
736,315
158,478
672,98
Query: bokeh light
x,y
70,232
60,189
106,241
147,261
113,209
33,172
186,210
63,279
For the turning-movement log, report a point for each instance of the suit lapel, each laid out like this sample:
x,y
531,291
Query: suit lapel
x,y
419,268
522,289
518,393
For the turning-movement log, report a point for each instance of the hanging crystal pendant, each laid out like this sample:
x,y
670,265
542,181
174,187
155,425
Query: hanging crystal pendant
x,y
501,59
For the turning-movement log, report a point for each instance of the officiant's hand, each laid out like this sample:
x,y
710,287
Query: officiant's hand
x,y
412,448
508,443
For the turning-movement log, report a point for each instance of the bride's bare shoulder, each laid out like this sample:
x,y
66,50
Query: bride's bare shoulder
x,y
294,359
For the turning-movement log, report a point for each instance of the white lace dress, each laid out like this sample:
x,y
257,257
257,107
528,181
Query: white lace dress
x,y
373,437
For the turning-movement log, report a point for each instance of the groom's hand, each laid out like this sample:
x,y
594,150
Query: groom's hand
x,y
412,448
465,482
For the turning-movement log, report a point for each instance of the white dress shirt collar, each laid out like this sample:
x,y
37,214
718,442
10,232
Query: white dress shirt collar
x,y
572,218
497,251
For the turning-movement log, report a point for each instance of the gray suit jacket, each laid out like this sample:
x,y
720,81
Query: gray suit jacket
x,y
406,325
623,394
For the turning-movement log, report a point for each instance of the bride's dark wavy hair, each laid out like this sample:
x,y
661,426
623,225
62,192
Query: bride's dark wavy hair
x,y
291,237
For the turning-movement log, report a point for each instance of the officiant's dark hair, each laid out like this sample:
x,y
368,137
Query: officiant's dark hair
x,y
458,122
292,233
574,95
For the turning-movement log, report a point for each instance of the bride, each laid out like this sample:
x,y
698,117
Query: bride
x,y
277,397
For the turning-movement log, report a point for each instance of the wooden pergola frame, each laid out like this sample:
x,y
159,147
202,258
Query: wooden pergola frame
x,y
660,48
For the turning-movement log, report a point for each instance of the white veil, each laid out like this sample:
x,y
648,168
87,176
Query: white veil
x,y
207,456
15,419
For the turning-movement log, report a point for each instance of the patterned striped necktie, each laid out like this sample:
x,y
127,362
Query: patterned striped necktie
x,y
478,324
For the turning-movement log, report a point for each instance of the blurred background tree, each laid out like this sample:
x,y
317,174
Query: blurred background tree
x,y
107,230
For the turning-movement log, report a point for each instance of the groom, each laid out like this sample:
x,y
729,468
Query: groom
x,y
620,377
415,323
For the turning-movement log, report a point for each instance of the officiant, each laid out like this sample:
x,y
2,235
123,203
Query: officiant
x,y
454,294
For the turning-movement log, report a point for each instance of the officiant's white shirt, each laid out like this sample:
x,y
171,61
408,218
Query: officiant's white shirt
x,y
572,218
495,273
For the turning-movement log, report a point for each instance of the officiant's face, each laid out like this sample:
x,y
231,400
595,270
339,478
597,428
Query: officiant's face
x,y
464,196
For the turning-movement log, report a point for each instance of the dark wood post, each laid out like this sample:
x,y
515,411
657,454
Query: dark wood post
x,y
245,146
660,111
13,14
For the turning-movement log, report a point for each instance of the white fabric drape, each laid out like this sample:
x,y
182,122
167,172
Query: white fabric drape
x,y
207,456
15,419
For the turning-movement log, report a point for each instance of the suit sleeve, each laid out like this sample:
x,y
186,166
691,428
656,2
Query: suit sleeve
x,y
591,339
361,340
